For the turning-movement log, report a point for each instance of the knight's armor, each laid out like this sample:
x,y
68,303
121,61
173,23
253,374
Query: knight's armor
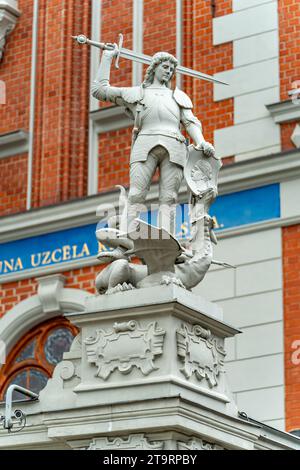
x,y
158,114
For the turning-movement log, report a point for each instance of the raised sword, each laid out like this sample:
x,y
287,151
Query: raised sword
x,y
138,57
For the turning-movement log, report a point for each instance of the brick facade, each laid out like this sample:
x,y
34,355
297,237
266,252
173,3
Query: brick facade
x,y
289,33
289,38
291,270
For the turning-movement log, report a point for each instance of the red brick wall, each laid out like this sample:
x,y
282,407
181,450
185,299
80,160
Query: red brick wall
x,y
13,293
289,58
62,97
289,39
291,279
117,18
15,70
286,131
13,184
160,26
200,54
114,153
60,159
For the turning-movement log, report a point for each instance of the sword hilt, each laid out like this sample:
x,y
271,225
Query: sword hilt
x,y
121,38
105,46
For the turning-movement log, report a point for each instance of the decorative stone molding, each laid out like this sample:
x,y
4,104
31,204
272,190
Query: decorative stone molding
x,y
198,444
9,14
29,313
126,346
49,290
284,111
133,442
71,364
200,353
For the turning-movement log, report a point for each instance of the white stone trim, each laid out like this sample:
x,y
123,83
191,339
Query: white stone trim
x,y
284,111
179,39
9,14
94,103
238,5
138,43
13,143
29,313
48,292
245,23
246,137
34,53
110,119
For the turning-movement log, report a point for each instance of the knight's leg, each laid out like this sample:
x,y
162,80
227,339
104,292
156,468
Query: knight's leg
x,y
141,174
171,176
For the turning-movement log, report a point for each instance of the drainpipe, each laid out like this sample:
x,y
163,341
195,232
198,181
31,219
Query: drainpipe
x,y
35,31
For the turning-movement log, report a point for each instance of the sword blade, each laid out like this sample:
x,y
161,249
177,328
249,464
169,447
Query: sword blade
x,y
146,59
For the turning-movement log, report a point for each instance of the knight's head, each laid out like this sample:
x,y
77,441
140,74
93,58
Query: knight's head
x,y
162,67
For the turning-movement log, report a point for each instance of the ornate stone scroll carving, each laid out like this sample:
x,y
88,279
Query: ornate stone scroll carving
x,y
126,346
9,15
198,444
200,353
133,442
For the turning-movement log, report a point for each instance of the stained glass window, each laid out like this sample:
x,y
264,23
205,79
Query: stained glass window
x,y
33,359
57,343
27,352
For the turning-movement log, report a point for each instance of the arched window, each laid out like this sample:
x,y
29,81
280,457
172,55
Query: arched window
x,y
32,361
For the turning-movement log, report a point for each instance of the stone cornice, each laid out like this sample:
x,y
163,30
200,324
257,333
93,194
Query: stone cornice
x,y
235,177
13,143
260,171
284,111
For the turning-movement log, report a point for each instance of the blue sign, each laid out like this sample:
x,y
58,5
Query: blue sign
x,y
231,210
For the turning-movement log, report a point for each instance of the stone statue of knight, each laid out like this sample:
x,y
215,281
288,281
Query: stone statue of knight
x,y
159,112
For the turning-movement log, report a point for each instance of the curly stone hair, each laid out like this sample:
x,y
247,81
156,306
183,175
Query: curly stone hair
x,y
157,59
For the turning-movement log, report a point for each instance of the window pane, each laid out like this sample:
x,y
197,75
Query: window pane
x,y
27,352
19,379
58,342
37,380
31,379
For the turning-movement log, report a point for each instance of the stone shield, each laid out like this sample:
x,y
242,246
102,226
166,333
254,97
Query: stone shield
x,y
201,172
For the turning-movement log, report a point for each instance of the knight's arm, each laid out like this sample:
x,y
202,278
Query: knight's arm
x,y
193,126
101,88
194,129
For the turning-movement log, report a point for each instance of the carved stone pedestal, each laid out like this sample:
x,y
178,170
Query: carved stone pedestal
x,y
146,372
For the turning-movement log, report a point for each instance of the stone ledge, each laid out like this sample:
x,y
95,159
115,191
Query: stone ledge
x,y
110,119
13,143
284,111
163,298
